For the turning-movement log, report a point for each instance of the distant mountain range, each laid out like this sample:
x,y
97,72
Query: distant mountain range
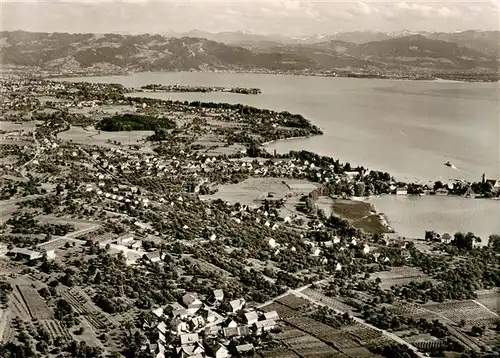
x,y
464,51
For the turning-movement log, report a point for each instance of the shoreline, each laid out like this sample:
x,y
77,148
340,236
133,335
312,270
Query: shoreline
x,y
350,76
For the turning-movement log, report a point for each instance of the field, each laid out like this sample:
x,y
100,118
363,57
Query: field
x,y
91,136
304,344
37,308
293,301
469,311
490,299
351,209
254,190
361,214
329,301
399,276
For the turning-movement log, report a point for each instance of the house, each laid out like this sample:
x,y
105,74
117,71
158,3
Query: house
x,y
237,305
353,241
51,254
236,331
251,317
338,266
154,256
366,249
442,191
125,239
219,351
177,326
191,350
218,295
158,312
22,253
272,243
271,315
446,238
162,327
469,193
401,191
208,315
316,251
244,348
265,325
230,323
191,302
211,331
189,338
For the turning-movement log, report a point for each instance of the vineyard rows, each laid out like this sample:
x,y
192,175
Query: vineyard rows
x,y
429,345
55,329
85,307
469,311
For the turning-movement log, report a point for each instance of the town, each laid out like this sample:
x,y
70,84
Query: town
x,y
138,227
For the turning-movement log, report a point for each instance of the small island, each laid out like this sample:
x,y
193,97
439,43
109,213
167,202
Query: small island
x,y
204,89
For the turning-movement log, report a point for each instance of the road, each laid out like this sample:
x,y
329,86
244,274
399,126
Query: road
x,y
22,168
298,292
70,236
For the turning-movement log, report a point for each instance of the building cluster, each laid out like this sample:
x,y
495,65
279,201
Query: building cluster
x,y
212,327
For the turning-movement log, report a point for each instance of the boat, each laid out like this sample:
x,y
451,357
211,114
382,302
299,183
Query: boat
x,y
448,164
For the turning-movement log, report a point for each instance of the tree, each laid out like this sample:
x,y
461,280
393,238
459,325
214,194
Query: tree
x,y
477,331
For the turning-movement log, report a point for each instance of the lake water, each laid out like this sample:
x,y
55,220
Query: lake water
x,y
411,216
407,128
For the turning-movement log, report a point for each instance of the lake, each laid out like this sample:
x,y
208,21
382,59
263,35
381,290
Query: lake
x,y
411,216
407,128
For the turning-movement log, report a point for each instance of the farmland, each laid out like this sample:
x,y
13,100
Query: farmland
x,y
399,276
469,311
37,307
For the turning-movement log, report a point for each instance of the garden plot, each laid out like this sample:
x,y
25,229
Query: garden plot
x,y
469,311
283,311
320,330
399,276
358,352
363,334
305,345
328,301
412,310
490,299
18,305
293,301
82,304
37,307
55,329
279,352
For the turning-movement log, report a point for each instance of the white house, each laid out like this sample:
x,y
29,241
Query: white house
x,y
366,249
251,317
338,266
191,302
237,305
271,315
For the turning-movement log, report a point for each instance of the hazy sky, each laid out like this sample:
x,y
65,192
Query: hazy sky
x,y
289,17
